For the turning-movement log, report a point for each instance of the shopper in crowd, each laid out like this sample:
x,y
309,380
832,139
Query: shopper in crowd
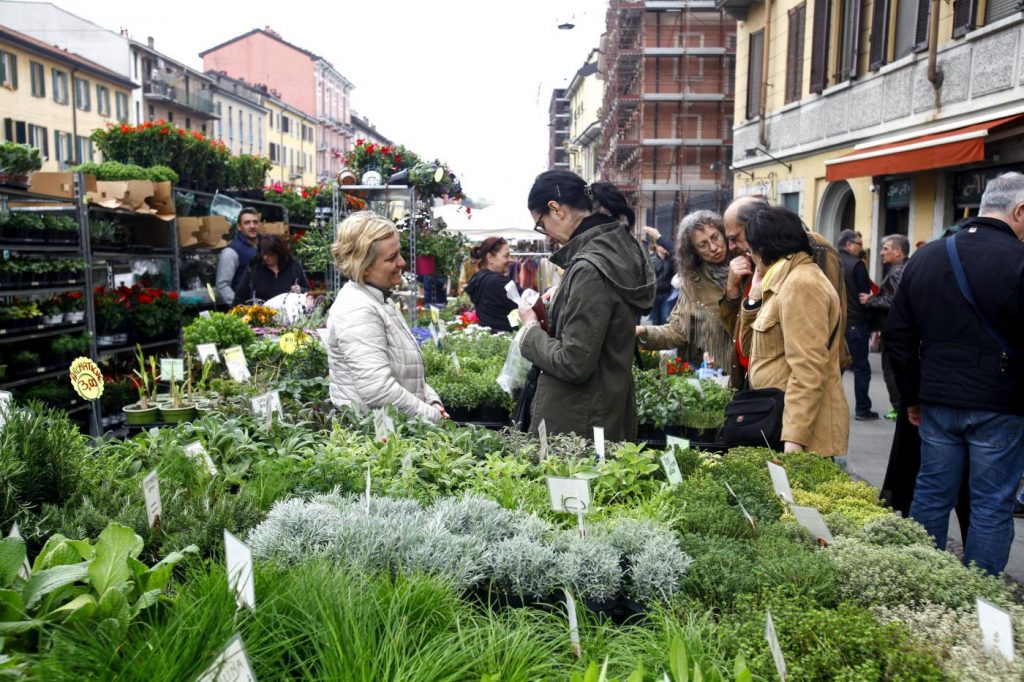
x,y
234,259
487,287
275,272
702,257
956,339
895,251
858,328
790,330
660,252
587,355
374,359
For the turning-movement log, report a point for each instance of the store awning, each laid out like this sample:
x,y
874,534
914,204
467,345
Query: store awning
x,y
937,150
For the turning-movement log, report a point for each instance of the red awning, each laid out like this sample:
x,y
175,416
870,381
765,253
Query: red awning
x,y
938,150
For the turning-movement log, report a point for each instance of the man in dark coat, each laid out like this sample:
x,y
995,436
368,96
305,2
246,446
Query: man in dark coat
x,y
858,331
959,361
894,253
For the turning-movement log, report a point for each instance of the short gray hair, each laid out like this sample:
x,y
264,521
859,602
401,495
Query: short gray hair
x,y
845,237
1002,194
900,242
687,259
750,206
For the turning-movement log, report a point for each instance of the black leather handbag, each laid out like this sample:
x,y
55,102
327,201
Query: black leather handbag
x,y
754,417
524,403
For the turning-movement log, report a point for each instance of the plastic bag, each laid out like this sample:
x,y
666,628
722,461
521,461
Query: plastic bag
x,y
513,372
225,206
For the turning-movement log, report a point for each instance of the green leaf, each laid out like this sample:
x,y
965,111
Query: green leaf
x,y
638,674
18,627
741,671
114,605
47,580
109,569
593,672
144,601
84,549
678,661
698,676
79,608
54,544
156,578
11,605
12,556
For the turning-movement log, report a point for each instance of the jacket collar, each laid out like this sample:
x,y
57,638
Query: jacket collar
x,y
785,267
991,223
374,293
565,255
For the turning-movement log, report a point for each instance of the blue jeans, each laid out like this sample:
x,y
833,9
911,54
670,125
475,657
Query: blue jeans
x,y
857,339
662,309
993,444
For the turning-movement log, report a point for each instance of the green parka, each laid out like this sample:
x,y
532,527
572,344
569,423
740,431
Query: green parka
x,y
586,375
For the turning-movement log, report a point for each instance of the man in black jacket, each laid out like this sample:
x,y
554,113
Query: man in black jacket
x,y
894,253
960,371
858,332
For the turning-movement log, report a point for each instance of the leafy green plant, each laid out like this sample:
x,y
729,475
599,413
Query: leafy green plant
x,y
219,328
19,159
671,400
112,170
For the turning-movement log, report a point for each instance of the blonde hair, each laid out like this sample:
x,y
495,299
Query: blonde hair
x,y
354,248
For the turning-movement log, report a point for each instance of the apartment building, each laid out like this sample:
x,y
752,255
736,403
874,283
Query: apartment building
x,y
304,81
172,91
878,116
666,139
242,116
291,142
53,99
585,94
558,130
364,130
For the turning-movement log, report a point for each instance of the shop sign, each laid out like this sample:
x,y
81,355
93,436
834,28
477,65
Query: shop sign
x,y
897,194
970,185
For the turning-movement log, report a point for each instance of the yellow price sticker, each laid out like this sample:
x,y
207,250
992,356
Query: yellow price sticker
x,y
209,290
86,378
288,343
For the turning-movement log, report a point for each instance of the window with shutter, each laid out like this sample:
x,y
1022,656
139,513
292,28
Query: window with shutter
x,y
849,38
819,45
754,66
795,53
921,28
906,25
879,34
964,13
999,9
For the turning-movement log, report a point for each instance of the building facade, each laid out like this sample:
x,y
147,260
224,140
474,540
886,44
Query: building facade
x,y
558,130
873,117
242,116
364,130
304,81
668,105
53,99
172,91
585,94
291,143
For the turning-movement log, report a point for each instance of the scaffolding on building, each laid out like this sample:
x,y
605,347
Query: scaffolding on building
x,y
668,106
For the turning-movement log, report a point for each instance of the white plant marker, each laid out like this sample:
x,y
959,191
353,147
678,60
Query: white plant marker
x,y
232,665
677,442
367,487
238,368
668,461
204,313
810,518
599,443
238,558
207,351
574,625
773,644
151,491
542,433
746,514
456,363
5,406
996,625
570,496
780,481
172,368
434,336
196,450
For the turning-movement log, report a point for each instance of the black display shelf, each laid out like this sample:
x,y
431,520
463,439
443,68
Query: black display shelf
x,y
42,290
40,331
140,254
25,194
41,374
115,350
39,247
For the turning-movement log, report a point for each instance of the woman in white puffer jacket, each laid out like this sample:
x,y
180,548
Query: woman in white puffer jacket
x,y
374,359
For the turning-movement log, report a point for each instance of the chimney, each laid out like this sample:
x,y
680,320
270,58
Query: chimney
x,y
150,41
272,32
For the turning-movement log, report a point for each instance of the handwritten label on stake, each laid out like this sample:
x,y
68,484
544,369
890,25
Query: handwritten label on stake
x,y
238,368
810,518
86,378
267,404
435,315
6,398
599,443
542,433
368,480
172,369
232,665
571,496
746,514
996,625
780,481
456,363
773,645
383,426
668,461
574,624
677,442
151,491
238,558
197,451
433,335
207,351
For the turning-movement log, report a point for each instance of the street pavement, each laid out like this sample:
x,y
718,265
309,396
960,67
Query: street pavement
x,y
869,454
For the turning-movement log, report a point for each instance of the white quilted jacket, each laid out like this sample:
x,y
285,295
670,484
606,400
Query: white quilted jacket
x,y
374,359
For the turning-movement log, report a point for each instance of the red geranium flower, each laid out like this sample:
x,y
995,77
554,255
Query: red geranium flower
x,y
144,299
173,295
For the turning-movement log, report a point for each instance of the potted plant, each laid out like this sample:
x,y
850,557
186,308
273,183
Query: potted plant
x,y
111,317
17,162
24,314
24,362
181,408
52,313
73,307
144,411
61,229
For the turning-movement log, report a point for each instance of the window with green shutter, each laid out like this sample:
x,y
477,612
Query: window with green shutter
x,y
8,70
38,74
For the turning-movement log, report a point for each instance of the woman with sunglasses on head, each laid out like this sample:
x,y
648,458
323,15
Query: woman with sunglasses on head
x,y
586,357
487,287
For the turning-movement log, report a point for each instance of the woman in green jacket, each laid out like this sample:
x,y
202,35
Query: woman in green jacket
x,y
586,359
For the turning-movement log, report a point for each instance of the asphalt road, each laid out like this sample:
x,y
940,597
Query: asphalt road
x,y
870,443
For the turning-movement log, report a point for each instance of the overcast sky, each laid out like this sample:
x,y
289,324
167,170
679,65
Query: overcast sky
x,y
467,81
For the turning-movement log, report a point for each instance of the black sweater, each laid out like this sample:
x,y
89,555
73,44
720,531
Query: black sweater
x,y
487,291
260,281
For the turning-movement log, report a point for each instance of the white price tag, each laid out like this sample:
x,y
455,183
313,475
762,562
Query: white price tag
x,y
207,351
172,369
25,572
204,313
383,426
676,441
746,514
512,291
151,491
267,404
542,433
780,481
514,320
574,625
599,443
696,384
238,558
238,368
456,363
810,518
433,335
569,495
773,645
197,451
668,460
6,399
232,665
996,625
407,462
368,481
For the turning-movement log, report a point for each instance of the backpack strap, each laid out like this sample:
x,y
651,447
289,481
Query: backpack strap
x,y
965,289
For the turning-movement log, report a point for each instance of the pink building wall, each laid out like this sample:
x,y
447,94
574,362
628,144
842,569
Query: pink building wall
x,y
260,59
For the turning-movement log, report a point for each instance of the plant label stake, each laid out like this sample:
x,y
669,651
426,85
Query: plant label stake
x,y
234,357
196,450
213,297
232,665
542,433
5,406
810,518
383,426
435,316
599,444
574,625
204,313
172,369
238,558
456,363
746,514
773,644
266,405
996,625
696,384
367,487
677,442
25,572
570,496
407,462
433,335
207,351
151,491
668,460
780,481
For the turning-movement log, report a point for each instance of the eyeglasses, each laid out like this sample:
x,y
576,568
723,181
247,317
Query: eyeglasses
x,y
733,238
539,226
715,239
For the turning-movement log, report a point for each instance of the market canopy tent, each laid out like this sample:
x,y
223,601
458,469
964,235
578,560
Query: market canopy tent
x,y
493,221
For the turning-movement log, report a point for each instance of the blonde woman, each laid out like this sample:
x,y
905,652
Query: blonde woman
x,y
374,359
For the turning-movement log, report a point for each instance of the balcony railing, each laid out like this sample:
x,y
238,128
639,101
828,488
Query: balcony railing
x,y
195,100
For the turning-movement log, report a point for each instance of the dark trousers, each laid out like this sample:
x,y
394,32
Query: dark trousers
x,y
857,337
890,378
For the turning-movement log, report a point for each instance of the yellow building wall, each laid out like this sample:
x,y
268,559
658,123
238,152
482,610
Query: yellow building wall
x,y
923,189
291,141
21,105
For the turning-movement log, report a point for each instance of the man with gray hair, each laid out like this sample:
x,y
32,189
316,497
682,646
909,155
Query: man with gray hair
x,y
894,252
955,335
